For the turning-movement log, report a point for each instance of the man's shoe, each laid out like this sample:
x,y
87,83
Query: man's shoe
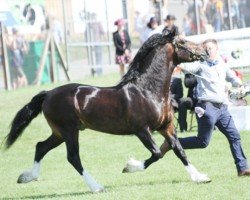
x,y
244,173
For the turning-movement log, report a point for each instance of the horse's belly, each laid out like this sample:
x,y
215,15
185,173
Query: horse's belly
x,y
119,121
105,118
118,112
107,124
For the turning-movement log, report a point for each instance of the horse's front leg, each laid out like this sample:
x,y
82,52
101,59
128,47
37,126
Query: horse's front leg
x,y
172,142
146,138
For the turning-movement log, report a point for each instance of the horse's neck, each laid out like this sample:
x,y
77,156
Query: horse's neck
x,y
166,88
157,81
155,73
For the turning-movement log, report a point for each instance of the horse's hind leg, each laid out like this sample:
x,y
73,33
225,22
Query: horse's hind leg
x,y
149,143
41,149
72,145
173,142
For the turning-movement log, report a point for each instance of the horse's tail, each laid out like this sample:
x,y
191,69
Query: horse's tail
x,y
24,117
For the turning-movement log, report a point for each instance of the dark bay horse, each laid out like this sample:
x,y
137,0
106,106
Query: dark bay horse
x,y
138,105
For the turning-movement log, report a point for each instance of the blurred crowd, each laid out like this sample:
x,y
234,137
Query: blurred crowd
x,y
206,15
214,16
95,31
153,26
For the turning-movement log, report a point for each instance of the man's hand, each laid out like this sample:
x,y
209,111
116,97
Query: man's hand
x,y
127,52
242,91
177,70
237,93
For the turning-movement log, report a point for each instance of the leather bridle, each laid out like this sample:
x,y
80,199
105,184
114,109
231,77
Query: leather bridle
x,y
193,52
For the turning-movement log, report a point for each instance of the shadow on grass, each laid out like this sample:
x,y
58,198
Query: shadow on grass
x,y
108,188
150,183
48,196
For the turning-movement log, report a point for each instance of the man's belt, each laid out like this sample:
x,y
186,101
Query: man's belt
x,y
217,105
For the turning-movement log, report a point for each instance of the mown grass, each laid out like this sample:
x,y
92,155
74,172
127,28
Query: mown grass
x,y
104,156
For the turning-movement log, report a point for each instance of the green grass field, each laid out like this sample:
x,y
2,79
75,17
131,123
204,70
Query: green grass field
x,y
104,156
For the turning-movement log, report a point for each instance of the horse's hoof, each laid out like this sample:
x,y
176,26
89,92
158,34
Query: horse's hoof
x,y
196,176
202,178
99,190
206,180
133,166
125,170
26,177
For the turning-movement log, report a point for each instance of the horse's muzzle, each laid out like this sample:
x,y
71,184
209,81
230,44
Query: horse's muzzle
x,y
203,57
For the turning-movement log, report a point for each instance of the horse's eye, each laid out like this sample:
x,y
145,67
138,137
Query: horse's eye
x,y
182,41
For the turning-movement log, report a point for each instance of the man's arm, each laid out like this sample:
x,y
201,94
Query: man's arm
x,y
232,78
192,68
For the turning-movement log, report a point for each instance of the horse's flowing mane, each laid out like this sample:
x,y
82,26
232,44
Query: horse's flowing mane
x,y
143,58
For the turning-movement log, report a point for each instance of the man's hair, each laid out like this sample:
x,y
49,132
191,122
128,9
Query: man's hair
x,y
214,41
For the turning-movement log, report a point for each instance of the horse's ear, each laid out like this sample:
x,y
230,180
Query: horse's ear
x,y
165,31
170,33
175,31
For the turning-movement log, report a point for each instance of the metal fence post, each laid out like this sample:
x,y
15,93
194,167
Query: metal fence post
x,y
197,17
229,14
6,70
65,23
108,32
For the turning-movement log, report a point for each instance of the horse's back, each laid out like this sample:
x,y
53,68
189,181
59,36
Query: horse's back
x,y
59,105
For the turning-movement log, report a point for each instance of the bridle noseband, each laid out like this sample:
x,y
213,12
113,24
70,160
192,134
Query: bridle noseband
x,y
194,54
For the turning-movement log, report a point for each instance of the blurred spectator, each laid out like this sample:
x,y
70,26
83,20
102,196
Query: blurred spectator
x,y
187,103
151,26
243,11
122,44
187,25
247,13
176,89
190,22
204,26
18,47
57,29
29,14
235,13
96,35
214,12
139,25
34,15
170,23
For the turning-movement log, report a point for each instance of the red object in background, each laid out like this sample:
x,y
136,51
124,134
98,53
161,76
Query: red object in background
x,y
239,74
119,22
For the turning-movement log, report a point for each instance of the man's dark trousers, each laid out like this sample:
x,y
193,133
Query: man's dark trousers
x,y
217,115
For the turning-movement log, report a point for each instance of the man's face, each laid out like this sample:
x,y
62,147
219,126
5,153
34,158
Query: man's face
x,y
212,50
169,22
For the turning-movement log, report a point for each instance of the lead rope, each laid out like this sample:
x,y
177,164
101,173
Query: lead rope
x,y
208,80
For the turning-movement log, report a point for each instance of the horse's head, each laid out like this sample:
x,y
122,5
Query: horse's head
x,y
187,51
183,50
159,52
